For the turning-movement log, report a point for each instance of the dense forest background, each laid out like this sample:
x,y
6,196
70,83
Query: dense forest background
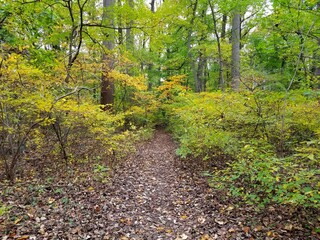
x,y
236,82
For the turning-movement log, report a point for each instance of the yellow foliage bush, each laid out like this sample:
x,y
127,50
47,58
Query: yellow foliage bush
x,y
54,121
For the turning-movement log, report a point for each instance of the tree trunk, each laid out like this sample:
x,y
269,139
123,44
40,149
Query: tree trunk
x,y
150,65
235,64
316,64
223,27
129,36
120,30
152,4
200,73
221,79
107,85
190,57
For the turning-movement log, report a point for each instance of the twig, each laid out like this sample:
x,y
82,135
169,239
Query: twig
x,y
76,90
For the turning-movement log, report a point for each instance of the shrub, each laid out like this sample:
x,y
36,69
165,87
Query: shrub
x,y
272,139
41,118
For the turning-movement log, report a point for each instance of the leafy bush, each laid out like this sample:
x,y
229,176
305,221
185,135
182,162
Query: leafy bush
x,y
272,140
41,119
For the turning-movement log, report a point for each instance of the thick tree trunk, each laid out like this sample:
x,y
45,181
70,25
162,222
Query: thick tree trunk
x,y
235,64
107,85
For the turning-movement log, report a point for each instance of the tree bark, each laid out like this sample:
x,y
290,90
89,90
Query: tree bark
x,y
223,27
221,78
129,36
150,65
235,64
152,4
190,57
316,64
316,68
107,85
200,73
76,35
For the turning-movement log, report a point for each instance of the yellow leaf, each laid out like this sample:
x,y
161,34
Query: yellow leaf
x,y
160,229
18,220
23,237
230,208
258,228
90,188
288,227
184,217
205,237
41,230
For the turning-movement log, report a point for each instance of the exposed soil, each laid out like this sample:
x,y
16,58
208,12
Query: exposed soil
x,y
153,195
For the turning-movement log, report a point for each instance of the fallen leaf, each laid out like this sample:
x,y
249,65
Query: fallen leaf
x,y
269,234
18,220
160,229
129,222
184,217
124,238
201,219
258,228
288,227
182,237
246,230
230,208
41,230
23,237
76,230
90,188
271,209
205,237
31,213
220,222
97,209
106,237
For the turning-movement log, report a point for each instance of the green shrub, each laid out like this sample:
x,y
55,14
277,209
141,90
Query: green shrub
x,y
272,139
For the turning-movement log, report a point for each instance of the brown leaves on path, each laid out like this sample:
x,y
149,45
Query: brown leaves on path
x,y
153,195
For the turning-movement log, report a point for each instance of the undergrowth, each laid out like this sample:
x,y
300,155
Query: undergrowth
x,y
271,140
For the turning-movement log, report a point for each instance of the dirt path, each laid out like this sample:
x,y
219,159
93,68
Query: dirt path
x,y
153,195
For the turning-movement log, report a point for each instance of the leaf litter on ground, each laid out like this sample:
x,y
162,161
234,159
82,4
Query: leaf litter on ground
x,y
151,195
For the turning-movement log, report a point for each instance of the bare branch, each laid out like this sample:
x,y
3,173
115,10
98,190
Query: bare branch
x,y
77,89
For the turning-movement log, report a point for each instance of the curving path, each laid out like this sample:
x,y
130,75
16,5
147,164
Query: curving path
x,y
153,195
156,197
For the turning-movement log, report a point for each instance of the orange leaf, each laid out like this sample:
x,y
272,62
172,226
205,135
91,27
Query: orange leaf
x,y
246,229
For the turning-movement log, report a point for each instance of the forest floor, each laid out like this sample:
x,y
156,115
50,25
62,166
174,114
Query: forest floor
x,y
152,195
